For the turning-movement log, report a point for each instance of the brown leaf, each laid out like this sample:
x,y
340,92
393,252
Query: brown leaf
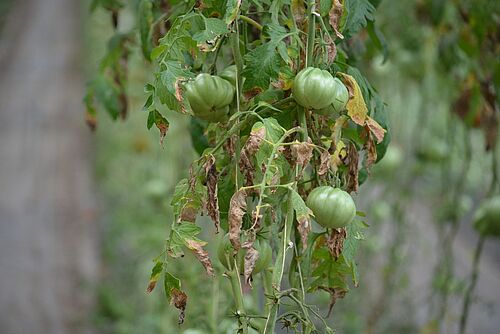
x,y
304,228
489,119
212,199
352,179
251,257
356,106
251,146
250,94
371,152
201,255
229,145
178,93
237,208
335,293
335,242
163,127
179,299
188,213
331,50
302,153
324,165
375,128
335,15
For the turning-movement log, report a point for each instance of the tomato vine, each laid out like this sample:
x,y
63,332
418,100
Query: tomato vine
x,y
267,136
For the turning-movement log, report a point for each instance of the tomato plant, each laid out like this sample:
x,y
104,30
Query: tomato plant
x,y
263,145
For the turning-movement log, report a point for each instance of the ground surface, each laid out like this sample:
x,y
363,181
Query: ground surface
x,y
48,234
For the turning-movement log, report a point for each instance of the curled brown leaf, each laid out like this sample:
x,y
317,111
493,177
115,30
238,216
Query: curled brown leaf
x,y
335,15
302,154
304,228
335,242
375,128
324,165
371,152
212,204
352,178
201,254
179,299
237,208
251,257
251,147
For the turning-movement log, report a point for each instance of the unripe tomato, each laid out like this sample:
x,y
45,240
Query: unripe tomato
x,y
225,251
433,151
209,97
332,207
487,217
229,74
314,88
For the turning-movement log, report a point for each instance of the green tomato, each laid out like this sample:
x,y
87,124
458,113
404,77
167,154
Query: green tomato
x,y
317,89
209,97
487,217
225,251
433,151
332,207
229,74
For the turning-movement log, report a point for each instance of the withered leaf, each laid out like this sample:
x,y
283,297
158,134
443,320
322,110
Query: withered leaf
x,y
375,128
335,293
352,180
335,242
331,50
212,199
179,299
356,106
371,152
251,257
304,228
252,145
237,208
324,165
335,15
302,153
201,255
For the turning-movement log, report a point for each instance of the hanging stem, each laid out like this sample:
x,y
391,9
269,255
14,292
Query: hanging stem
x,y
234,278
472,285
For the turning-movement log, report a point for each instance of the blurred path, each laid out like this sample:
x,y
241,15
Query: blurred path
x,y
48,254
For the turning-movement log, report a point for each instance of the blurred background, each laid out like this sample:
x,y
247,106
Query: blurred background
x,y
83,214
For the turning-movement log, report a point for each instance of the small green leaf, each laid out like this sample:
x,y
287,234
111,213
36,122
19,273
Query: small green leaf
x,y
170,282
155,275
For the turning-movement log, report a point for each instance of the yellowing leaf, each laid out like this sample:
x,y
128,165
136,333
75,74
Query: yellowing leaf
x,y
356,106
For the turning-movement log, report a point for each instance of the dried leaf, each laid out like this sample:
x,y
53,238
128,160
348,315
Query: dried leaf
x,y
371,152
331,50
335,242
352,180
324,165
302,153
201,255
375,128
155,275
335,293
251,146
212,199
179,299
304,228
489,121
251,257
339,156
356,106
335,15
237,208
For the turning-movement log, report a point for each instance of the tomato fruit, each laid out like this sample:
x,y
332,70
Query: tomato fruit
x,y
487,217
332,207
225,250
433,151
390,163
209,97
229,74
317,89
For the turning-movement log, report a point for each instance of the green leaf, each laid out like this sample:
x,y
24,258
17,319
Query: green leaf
x,y
107,94
300,207
214,29
359,12
180,235
156,118
232,10
145,22
378,40
262,65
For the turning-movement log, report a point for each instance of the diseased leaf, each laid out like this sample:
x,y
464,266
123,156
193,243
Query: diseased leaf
x,y
325,160
303,215
179,299
335,15
352,180
212,199
371,152
251,257
375,128
155,275
232,10
214,30
356,106
237,209
302,153
202,255
161,123
335,242
253,143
